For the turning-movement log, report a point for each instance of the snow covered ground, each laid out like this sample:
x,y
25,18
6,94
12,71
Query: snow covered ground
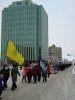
x,y
60,86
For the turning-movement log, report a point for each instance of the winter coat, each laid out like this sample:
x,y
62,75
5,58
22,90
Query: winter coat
x,y
25,71
35,70
1,85
14,73
48,70
5,72
39,69
44,75
29,71
1,82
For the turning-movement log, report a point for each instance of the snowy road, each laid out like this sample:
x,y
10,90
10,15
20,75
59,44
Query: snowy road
x,y
60,86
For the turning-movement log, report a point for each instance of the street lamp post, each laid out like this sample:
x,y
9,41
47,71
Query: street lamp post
x,y
73,62
70,55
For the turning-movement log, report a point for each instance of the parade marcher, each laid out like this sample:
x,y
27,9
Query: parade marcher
x,y
24,72
14,73
35,73
48,70
1,85
29,74
44,75
39,69
5,71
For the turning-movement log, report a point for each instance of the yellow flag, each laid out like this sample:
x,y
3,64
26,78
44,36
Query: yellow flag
x,y
13,54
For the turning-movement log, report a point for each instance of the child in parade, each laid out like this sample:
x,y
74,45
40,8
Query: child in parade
x,y
39,70
44,74
48,70
29,74
24,72
35,73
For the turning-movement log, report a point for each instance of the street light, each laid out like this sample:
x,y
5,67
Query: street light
x,y
70,55
73,61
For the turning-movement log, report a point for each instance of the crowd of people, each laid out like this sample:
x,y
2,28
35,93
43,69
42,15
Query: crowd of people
x,y
35,73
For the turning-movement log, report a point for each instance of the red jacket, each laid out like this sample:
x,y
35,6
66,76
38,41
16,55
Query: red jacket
x,y
29,69
48,70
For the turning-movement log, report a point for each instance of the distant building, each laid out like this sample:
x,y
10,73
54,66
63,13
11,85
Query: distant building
x,y
26,25
55,52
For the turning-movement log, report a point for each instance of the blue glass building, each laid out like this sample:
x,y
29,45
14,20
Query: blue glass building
x,y
26,25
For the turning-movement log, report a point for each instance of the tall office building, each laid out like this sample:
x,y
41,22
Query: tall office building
x,y
26,25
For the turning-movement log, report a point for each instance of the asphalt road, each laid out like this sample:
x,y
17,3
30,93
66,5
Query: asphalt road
x,y
60,86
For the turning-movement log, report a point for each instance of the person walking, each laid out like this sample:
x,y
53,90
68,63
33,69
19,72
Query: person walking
x,y
29,74
44,74
5,71
48,70
24,74
39,70
14,73
1,85
35,73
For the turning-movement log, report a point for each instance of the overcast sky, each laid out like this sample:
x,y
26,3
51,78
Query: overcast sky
x,y
61,23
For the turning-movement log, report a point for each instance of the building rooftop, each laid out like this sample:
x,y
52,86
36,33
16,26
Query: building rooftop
x,y
22,2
